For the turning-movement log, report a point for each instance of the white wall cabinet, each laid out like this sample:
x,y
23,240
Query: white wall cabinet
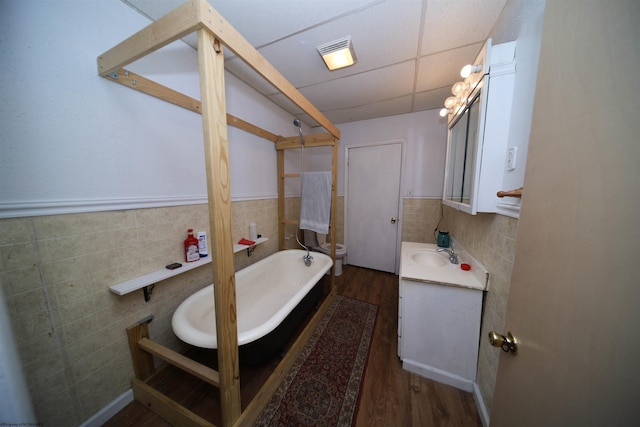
x,y
478,133
439,331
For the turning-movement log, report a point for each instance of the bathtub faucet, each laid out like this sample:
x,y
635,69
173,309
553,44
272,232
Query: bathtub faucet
x,y
453,257
307,259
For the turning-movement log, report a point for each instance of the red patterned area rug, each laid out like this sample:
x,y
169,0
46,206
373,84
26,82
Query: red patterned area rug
x,y
323,386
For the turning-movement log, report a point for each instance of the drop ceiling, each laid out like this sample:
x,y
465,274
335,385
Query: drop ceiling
x,y
409,51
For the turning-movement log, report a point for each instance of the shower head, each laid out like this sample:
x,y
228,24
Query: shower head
x,y
297,123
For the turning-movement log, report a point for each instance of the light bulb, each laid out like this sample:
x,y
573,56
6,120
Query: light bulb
x,y
469,69
444,112
458,88
450,102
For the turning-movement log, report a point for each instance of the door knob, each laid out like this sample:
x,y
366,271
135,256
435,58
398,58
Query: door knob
x,y
393,220
508,344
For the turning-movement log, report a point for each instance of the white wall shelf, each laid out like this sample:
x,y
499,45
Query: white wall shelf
x,y
143,282
238,247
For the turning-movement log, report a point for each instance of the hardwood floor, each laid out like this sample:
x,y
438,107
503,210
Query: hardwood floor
x,y
390,396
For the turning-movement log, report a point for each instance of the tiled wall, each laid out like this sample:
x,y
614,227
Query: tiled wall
x,y
265,214
70,329
491,239
292,211
420,219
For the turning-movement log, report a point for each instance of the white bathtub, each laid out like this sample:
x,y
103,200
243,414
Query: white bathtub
x,y
266,293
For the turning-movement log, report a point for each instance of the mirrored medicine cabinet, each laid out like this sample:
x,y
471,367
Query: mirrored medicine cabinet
x,y
478,128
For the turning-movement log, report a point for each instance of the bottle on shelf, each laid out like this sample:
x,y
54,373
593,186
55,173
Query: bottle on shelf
x,y
191,252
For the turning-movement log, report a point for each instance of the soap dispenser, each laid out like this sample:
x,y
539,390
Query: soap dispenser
x,y
443,239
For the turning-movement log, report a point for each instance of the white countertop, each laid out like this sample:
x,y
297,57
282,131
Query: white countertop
x,y
449,274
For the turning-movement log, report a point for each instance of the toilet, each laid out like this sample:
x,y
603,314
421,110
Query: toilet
x,y
318,242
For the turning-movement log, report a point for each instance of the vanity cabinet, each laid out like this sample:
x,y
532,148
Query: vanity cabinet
x,y
439,331
477,140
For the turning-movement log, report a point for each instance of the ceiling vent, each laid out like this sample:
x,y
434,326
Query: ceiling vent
x,y
338,54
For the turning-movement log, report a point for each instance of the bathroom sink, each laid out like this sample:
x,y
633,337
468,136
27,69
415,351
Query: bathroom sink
x,y
430,258
421,262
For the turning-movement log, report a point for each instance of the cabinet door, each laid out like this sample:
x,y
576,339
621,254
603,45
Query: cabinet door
x,y
441,330
462,153
456,159
471,150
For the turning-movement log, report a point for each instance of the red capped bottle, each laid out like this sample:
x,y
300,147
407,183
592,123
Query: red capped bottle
x,y
191,252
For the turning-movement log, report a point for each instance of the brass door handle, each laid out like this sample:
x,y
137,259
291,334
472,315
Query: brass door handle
x,y
394,220
508,344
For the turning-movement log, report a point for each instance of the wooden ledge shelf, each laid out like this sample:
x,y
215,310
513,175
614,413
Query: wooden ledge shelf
x,y
150,279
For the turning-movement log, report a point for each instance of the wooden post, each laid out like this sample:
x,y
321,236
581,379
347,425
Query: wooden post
x,y
143,365
281,227
334,208
212,94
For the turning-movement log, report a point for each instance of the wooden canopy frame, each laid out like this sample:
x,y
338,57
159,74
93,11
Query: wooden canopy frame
x,y
213,32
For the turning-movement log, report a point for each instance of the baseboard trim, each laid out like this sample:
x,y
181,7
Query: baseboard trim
x,y
108,411
482,408
438,375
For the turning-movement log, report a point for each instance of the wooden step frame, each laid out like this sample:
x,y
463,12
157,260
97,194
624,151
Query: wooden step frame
x,y
214,32
143,349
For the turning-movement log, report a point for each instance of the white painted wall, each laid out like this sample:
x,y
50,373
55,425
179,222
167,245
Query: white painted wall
x,y
425,133
73,141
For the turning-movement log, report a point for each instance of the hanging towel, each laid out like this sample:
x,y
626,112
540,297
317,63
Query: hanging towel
x,y
315,202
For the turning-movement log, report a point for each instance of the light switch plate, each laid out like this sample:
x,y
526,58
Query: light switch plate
x,y
511,158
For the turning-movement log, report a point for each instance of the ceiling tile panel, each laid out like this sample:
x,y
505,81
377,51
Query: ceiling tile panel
x,y
407,49
452,23
431,99
397,106
361,89
379,36
443,69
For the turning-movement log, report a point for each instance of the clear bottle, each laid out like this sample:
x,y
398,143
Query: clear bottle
x,y
191,252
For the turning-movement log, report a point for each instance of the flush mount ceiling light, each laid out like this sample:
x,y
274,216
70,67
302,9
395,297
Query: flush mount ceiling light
x,y
338,54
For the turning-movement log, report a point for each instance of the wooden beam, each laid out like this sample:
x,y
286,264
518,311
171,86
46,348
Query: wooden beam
x,y
143,366
261,399
314,140
176,359
167,29
188,18
211,64
167,408
142,84
230,37
248,127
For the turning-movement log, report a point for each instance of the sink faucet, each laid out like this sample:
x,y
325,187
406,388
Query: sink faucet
x,y
453,257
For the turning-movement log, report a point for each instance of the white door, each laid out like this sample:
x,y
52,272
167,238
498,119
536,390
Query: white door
x,y
574,301
373,205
